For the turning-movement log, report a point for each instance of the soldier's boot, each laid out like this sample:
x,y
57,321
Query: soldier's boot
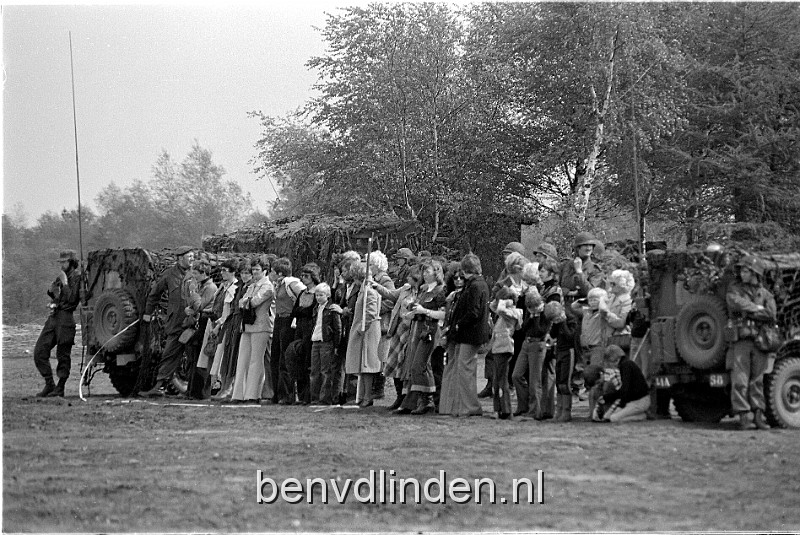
x,y
487,391
59,389
49,387
758,419
744,421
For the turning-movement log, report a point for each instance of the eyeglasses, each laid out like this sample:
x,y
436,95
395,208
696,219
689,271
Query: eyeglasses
x,y
458,277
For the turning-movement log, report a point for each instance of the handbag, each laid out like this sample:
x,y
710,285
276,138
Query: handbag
x,y
248,315
768,338
210,348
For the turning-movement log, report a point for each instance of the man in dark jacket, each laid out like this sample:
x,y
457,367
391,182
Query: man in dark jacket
x,y
171,281
59,329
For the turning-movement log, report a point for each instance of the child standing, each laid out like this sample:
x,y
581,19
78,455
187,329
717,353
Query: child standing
x,y
324,341
509,319
563,334
531,357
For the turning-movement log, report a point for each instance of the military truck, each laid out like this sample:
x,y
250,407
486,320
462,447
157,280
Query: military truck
x,y
118,282
691,332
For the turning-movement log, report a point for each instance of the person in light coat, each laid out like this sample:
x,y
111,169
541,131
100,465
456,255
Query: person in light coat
x,y
250,372
362,348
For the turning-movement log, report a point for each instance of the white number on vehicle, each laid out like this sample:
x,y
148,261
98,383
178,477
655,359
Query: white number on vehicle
x,y
662,382
716,380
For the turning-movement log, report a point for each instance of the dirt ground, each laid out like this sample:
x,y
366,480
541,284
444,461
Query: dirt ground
x,y
113,465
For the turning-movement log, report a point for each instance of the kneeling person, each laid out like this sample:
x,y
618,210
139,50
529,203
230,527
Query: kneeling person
x,y
631,400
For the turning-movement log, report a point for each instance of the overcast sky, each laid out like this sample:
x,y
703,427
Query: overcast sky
x,y
147,78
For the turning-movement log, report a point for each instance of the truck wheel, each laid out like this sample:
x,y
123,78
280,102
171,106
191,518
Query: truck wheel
x,y
113,311
123,378
701,403
782,393
699,332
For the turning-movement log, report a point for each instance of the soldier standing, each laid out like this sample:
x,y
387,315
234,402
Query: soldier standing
x,y
171,281
59,329
750,304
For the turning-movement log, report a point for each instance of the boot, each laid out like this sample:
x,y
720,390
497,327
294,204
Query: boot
x,y
59,389
397,403
758,419
486,392
744,421
49,388
425,405
566,408
158,391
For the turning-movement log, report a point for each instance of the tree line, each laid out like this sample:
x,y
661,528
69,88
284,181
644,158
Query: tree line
x,y
179,204
682,113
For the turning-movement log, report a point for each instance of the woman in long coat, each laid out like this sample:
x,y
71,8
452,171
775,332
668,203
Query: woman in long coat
x,y
362,348
399,329
428,310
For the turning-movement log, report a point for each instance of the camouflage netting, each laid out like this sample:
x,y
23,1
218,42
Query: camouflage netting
x,y
317,237
707,272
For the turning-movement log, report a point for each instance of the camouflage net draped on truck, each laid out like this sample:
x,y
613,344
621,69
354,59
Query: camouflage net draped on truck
x,y
119,281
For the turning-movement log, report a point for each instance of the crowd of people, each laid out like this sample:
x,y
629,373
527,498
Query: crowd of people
x,y
550,331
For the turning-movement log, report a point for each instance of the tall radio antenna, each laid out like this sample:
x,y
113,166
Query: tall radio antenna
x,y
77,167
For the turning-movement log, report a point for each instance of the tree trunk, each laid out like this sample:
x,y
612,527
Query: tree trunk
x,y
586,180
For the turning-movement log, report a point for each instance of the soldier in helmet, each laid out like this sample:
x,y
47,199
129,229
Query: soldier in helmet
x,y
174,281
583,273
577,278
750,304
59,329
401,266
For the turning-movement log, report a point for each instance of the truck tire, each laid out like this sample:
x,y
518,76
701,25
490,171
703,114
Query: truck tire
x,y
782,393
700,332
113,311
124,378
701,403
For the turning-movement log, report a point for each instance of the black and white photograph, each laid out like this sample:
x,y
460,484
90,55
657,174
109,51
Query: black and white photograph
x,y
418,267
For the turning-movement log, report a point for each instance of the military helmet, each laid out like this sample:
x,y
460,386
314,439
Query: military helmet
x,y
514,247
547,249
752,263
585,238
404,253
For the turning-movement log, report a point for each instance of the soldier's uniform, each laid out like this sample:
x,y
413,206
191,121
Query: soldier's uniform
x,y
576,286
176,283
59,329
749,306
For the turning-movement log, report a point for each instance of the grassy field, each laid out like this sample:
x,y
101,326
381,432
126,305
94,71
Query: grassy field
x,y
113,465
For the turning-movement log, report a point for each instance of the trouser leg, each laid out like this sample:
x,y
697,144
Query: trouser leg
x,y
520,372
171,358
317,376
755,390
740,376
548,384
535,364
242,367
41,351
